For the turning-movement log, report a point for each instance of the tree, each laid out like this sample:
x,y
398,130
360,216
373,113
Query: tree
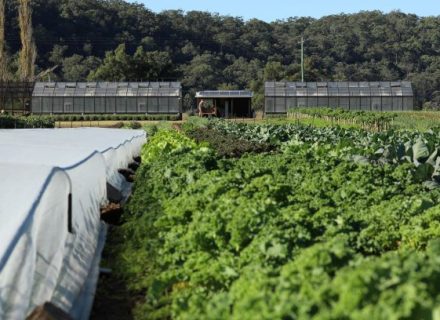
x,y
28,53
274,71
202,73
143,65
115,67
77,67
3,58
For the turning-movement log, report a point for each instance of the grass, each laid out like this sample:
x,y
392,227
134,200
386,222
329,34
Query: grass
x,y
417,120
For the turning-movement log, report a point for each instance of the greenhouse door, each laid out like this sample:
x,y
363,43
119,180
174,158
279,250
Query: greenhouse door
x,y
68,107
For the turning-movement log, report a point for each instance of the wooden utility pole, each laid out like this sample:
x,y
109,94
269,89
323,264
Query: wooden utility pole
x,y
28,51
3,59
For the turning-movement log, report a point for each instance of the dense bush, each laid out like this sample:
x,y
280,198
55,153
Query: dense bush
x,y
11,122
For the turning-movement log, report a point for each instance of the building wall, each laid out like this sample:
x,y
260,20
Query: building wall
x,y
98,105
356,103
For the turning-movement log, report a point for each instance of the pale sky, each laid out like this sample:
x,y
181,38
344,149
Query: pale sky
x,y
270,10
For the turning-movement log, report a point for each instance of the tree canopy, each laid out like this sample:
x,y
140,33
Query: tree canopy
x,y
116,40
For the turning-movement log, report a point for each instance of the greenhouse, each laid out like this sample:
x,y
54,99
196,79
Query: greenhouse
x,y
107,97
280,97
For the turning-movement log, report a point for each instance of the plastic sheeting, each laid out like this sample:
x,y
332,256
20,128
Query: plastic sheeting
x,y
49,251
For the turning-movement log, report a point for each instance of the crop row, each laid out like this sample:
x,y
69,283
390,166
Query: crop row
x,y
300,232
377,121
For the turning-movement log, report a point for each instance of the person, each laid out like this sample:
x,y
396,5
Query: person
x,y
200,107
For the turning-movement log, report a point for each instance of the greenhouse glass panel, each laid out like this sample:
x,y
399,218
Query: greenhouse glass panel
x,y
132,89
110,104
344,91
385,89
80,90
112,89
301,90
100,104
37,105
408,103
269,105
280,91
355,103
333,102
142,105
397,103
376,103
70,89
344,103
131,104
47,105
322,91
78,105
291,103
101,89
143,89
302,102
91,89
59,89
68,105
280,104
375,89
39,89
163,105
333,89
122,89
312,102
174,105
89,105
121,105
323,102
366,103
58,106
387,104
153,105
312,89
49,89
290,91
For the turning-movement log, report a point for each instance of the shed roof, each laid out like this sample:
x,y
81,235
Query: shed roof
x,y
341,88
210,94
107,89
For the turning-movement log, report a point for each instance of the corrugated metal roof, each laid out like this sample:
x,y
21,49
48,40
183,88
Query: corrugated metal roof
x,y
107,89
225,94
341,88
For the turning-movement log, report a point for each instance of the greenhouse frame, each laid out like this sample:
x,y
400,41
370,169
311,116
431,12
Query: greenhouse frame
x,y
107,98
280,97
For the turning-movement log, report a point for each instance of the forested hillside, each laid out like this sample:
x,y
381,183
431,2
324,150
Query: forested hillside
x,y
115,40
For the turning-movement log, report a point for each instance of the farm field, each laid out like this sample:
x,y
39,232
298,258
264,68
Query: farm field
x,y
417,120
281,221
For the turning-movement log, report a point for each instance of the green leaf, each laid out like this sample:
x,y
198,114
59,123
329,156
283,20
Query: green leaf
x,y
420,151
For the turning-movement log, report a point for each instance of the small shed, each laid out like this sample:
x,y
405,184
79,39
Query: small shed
x,y
107,97
228,103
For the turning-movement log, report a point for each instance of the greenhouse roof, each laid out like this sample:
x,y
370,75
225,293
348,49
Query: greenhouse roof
x,y
382,88
107,89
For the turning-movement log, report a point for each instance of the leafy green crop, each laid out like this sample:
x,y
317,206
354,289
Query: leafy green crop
x,y
306,233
